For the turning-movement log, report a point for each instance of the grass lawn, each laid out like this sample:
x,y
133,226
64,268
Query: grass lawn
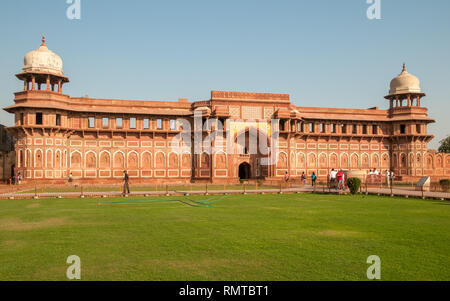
x,y
240,237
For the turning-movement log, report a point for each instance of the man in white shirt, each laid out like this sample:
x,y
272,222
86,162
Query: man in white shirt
x,y
333,174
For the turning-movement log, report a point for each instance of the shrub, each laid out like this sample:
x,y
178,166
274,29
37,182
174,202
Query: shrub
x,y
354,184
445,184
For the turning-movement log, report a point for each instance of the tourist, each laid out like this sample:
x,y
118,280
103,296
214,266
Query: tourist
x,y
313,178
126,186
286,177
70,178
343,180
392,178
340,178
303,178
333,174
376,172
19,178
388,176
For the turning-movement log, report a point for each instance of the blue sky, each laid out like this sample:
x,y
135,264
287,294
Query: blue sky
x,y
323,53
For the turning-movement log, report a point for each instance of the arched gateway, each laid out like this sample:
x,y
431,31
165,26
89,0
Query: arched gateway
x,y
244,171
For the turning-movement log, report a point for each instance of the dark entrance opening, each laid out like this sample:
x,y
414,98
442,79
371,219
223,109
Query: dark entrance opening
x,y
244,171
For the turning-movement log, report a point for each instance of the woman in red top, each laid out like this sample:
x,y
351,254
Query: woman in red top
x,y
340,178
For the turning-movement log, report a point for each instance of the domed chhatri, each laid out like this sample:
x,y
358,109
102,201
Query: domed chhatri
x,y
405,83
43,60
43,67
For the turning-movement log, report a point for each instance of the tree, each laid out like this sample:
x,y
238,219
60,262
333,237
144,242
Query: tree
x,y
445,145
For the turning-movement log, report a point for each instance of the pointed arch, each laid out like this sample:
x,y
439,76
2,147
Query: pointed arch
x,y
345,162
49,159
173,160
38,158
160,160
301,161
75,160
119,159
105,160
132,160
58,159
146,160
90,160
282,161
312,160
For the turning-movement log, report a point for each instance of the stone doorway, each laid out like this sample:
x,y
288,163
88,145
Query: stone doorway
x,y
244,171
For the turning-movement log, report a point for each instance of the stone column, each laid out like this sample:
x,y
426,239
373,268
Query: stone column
x,y
59,87
48,83
33,83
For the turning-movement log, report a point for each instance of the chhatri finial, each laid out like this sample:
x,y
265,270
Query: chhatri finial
x,y
43,40
404,67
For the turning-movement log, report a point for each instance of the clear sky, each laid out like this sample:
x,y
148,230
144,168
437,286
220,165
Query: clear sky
x,y
323,53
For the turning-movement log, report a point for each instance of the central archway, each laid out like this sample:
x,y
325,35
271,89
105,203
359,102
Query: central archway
x,y
244,171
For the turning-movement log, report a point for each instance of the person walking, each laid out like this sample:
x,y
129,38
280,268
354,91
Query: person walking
x,y
126,186
313,178
70,180
286,177
19,178
303,178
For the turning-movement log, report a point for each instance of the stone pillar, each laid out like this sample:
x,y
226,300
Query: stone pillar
x,y
48,83
25,85
33,83
59,87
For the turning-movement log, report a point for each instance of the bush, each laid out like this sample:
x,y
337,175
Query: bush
x,y
354,184
445,184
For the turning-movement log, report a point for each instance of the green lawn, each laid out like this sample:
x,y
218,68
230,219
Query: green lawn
x,y
241,237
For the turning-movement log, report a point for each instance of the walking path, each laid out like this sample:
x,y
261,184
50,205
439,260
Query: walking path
x,y
303,189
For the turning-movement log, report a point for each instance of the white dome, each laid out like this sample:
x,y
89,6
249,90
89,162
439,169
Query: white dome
x,y
43,60
405,83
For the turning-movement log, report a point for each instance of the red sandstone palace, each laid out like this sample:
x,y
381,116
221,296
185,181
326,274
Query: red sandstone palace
x,y
97,139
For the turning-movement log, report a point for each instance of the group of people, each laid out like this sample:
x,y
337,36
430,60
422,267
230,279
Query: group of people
x,y
15,180
389,175
337,179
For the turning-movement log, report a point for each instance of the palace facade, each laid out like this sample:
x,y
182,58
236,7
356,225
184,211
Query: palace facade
x,y
97,139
